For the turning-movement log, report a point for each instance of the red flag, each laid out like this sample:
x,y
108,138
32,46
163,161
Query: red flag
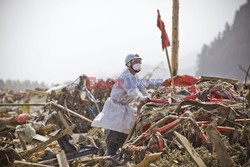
x,y
164,36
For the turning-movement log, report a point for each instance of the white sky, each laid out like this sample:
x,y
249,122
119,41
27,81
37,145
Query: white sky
x,y
58,40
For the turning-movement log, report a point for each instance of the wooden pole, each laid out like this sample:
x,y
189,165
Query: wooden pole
x,y
170,70
17,163
175,37
72,112
169,65
22,104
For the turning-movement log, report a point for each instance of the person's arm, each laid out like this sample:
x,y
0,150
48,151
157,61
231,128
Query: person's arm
x,y
142,88
130,86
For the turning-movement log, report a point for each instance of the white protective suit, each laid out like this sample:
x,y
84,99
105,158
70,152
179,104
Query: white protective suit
x,y
117,115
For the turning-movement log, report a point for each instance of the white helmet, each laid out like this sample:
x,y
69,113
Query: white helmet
x,y
131,57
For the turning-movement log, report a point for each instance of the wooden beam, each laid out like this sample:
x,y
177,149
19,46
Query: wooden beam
x,y
64,122
62,160
175,37
219,147
72,112
42,146
40,138
195,156
22,104
149,159
208,78
41,93
6,131
21,141
44,130
170,71
28,164
86,160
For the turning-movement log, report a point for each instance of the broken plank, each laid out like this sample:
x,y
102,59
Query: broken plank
x,y
72,156
149,159
195,156
63,120
92,159
62,160
28,164
37,92
72,112
44,130
207,78
21,141
6,131
219,146
22,104
5,126
40,138
42,146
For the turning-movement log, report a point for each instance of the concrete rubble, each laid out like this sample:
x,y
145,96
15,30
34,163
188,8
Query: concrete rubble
x,y
206,123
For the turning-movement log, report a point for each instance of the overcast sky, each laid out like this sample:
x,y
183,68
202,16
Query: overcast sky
x,y
57,40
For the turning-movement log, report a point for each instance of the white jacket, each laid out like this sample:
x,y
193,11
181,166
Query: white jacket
x,y
117,115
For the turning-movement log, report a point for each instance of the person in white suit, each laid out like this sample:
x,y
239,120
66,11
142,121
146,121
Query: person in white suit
x,y
117,116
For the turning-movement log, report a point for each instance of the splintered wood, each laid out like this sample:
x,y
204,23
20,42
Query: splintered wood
x,y
219,146
28,164
190,149
64,122
72,112
44,145
62,160
149,159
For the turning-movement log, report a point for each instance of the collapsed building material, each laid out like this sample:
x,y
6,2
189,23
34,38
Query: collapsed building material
x,y
220,148
71,156
72,112
190,149
33,104
41,93
42,146
222,104
22,142
92,160
64,122
8,156
28,164
62,160
148,159
198,103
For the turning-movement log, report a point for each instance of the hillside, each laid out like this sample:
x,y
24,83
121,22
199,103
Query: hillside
x,y
230,49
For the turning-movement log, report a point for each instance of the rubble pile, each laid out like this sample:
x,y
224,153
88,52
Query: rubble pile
x,y
10,106
78,98
205,123
202,109
60,123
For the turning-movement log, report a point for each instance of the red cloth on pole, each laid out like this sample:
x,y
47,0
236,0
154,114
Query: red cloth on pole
x,y
164,36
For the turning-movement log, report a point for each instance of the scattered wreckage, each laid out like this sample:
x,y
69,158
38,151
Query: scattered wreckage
x,y
206,123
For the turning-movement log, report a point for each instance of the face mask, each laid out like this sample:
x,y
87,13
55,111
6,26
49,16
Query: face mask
x,y
137,67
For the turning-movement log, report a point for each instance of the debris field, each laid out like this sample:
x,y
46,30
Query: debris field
x,y
205,123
